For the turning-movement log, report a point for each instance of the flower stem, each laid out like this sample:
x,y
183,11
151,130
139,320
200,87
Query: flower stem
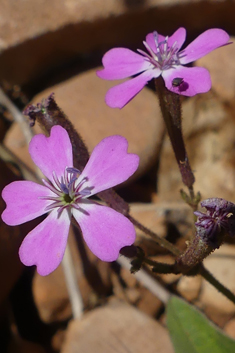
x,y
215,283
160,241
171,111
159,267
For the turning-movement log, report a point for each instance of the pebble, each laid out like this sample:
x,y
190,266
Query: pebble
x,y
116,328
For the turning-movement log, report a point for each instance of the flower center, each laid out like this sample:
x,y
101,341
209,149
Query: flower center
x,y
164,57
213,220
67,192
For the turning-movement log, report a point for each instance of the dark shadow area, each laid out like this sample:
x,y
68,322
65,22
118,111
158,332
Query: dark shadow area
x,y
135,3
26,316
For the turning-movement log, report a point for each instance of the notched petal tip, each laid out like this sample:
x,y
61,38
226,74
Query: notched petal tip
x,y
120,63
53,153
110,164
205,43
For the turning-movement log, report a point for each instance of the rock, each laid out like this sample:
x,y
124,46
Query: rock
x,y
229,328
45,34
82,100
128,289
222,71
148,303
209,136
189,287
116,327
220,264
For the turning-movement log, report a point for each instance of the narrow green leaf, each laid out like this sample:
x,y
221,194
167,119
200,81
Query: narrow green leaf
x,y
192,332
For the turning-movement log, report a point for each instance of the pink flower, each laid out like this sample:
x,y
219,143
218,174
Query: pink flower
x,y
163,58
65,194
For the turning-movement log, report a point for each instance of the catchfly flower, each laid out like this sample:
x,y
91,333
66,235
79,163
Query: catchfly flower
x,y
219,216
163,57
66,193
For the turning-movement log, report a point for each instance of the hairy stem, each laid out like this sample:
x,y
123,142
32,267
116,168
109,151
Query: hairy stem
x,y
171,110
160,241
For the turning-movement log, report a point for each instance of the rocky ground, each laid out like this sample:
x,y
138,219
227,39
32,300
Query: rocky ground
x,y
57,46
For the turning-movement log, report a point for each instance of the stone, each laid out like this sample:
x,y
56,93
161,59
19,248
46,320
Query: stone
x,y
189,287
45,34
148,303
82,100
221,65
116,327
229,328
220,264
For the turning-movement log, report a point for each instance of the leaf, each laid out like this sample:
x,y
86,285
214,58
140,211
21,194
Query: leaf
x,y
192,332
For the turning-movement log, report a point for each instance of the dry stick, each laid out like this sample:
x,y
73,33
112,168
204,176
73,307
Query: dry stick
x,y
72,285
67,262
17,115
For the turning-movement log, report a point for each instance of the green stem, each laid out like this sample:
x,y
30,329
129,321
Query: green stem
x,y
159,267
215,283
160,241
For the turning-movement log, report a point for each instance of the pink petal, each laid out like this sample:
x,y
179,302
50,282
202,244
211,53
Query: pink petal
x,y
150,40
204,44
52,154
178,36
104,230
118,96
24,203
121,63
109,164
196,80
45,245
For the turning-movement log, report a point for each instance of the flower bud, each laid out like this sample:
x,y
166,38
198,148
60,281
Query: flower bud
x,y
211,228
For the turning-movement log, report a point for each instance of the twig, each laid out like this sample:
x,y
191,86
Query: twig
x,y
72,285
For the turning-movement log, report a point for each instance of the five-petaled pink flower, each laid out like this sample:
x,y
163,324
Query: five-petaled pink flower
x,y
65,194
163,58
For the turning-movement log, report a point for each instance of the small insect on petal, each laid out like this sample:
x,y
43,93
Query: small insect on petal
x,y
177,81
